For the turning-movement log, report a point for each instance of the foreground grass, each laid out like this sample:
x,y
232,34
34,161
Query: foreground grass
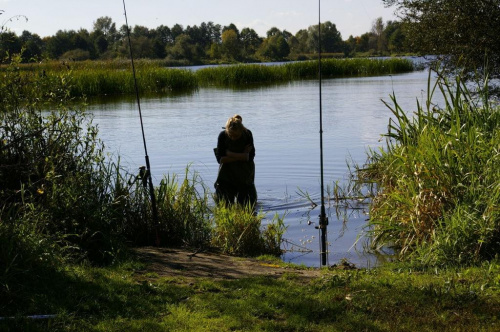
x,y
392,298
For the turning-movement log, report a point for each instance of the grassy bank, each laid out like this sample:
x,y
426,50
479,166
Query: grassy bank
x,y
98,78
128,298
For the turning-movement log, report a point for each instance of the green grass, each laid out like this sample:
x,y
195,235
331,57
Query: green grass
x,y
239,75
105,78
393,298
437,180
237,230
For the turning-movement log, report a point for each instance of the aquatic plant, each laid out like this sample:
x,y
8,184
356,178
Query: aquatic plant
x,y
238,75
99,78
438,192
183,211
98,82
238,230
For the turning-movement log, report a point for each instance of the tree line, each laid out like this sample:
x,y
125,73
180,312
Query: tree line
x,y
204,43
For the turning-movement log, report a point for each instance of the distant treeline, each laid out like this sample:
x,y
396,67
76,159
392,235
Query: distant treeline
x,y
206,43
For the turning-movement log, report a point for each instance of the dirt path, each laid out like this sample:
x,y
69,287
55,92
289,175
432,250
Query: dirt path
x,y
167,262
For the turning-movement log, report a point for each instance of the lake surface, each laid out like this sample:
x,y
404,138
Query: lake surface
x,y
284,119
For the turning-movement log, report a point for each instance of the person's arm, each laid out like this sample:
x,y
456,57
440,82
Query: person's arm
x,y
228,156
236,156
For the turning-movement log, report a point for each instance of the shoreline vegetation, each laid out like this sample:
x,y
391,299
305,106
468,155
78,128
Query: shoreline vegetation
x,y
70,219
105,78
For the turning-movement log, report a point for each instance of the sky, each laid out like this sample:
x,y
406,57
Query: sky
x,y
46,17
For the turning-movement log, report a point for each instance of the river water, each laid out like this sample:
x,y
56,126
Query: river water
x,y
284,119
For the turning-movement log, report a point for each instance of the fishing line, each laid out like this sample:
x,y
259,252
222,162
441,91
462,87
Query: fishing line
x,y
323,220
148,167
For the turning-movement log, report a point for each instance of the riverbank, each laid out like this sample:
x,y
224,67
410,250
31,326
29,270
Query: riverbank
x,y
185,290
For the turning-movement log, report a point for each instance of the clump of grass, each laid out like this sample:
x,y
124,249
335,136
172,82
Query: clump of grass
x,y
238,231
183,211
438,188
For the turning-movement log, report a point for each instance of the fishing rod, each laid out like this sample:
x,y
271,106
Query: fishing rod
x,y
145,174
323,219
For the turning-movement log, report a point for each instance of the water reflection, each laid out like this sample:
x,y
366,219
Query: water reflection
x,y
284,119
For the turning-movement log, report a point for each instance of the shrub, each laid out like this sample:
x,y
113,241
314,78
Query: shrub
x,y
52,162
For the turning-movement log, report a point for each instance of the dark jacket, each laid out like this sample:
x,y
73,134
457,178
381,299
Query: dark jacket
x,y
238,173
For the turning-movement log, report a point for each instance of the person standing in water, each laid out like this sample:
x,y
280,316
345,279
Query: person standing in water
x,y
235,154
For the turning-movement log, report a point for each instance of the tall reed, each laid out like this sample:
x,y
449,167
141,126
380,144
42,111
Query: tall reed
x,y
184,213
239,75
98,82
99,78
438,179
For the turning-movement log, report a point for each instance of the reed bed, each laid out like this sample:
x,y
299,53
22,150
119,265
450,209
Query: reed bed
x,y
331,68
104,78
98,82
438,179
115,64
239,75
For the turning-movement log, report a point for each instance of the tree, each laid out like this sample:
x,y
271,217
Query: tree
x,y
275,48
395,37
331,39
141,31
183,48
101,44
250,40
231,27
107,27
9,44
176,31
59,44
273,32
142,47
164,34
466,31
32,44
301,46
231,44
378,28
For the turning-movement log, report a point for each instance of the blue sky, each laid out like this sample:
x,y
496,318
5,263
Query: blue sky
x,y
352,17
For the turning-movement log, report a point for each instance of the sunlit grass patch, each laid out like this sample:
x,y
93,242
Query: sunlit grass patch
x,y
238,230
